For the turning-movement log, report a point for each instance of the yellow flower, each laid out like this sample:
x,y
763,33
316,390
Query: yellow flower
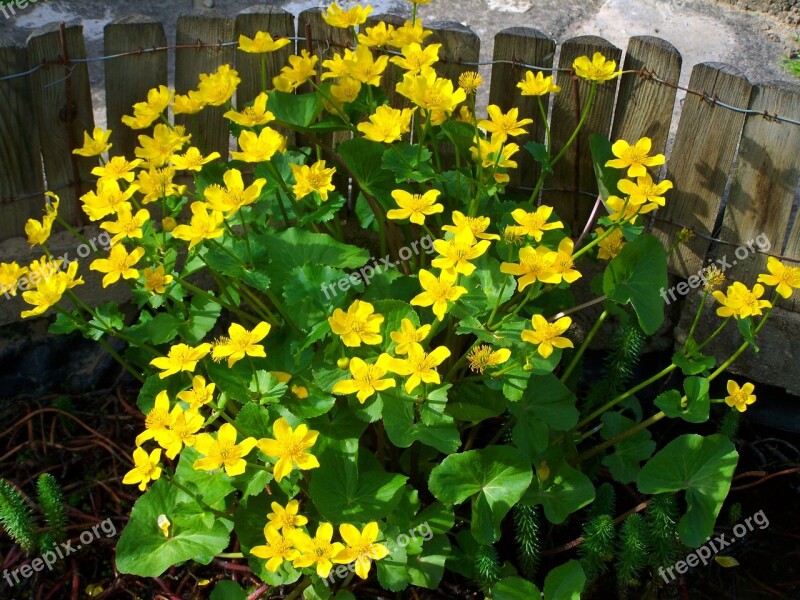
x,y
415,207
501,125
290,448
361,547
357,325
259,147
180,431
364,67
338,65
408,335
163,524
10,274
563,264
155,281
251,116
299,70
234,195
740,397
494,154
783,278
475,225
714,277
534,264
241,343
535,224
51,288
158,150
38,232
204,225
157,183
262,42
465,116
457,252
118,168
387,124
315,178
431,93
416,59
156,420
286,518
317,551
366,378
537,85
95,144
376,36
223,451
336,17
610,246
546,335
624,210
145,113
300,392
481,357
277,549
470,81
437,293
145,468
419,366
192,160
217,88
180,358
127,224
108,200
408,34
635,158
183,104
597,69
741,302
644,190
118,264
199,395
346,90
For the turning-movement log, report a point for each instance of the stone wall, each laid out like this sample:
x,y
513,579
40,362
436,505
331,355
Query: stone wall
x,y
787,11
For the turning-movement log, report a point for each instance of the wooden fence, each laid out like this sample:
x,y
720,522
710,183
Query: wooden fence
x,y
748,159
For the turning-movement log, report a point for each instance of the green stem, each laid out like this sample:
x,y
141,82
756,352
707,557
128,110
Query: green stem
x,y
690,336
584,345
246,238
235,310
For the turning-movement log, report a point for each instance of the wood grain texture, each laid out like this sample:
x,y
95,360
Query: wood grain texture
x,y
20,152
459,45
63,108
700,162
129,78
531,47
207,27
574,172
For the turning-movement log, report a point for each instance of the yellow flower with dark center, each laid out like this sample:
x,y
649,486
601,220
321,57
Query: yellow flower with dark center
x,y
251,116
367,379
286,518
438,291
358,325
223,451
290,447
644,190
538,84
317,551
419,366
610,246
181,357
361,547
145,113
192,160
376,36
741,302
108,200
534,264
204,225
215,89
430,92
534,224
95,144
624,210
475,225
784,279
261,42
408,335
181,431
547,335
335,16
299,70
259,147
457,252
740,397
596,69
481,357
409,34
240,343
387,124
145,468
184,104
158,149
415,207
364,67
118,168
470,81
156,184
315,178
635,158
127,224
10,274
277,549
563,266
415,58
503,125
199,394
118,264
38,232
234,195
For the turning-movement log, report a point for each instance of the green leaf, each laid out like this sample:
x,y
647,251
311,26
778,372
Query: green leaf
x,y
694,365
635,276
461,134
546,404
515,588
703,467
698,402
365,159
209,486
108,316
406,162
607,178
539,153
203,315
228,590
309,293
297,111
475,403
163,328
565,491
746,329
494,477
393,572
427,568
325,211
565,582
628,454
64,324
